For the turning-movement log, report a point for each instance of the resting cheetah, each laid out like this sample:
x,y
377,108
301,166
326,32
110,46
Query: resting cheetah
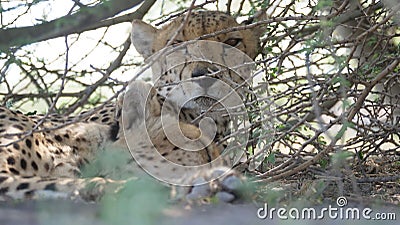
x,y
35,156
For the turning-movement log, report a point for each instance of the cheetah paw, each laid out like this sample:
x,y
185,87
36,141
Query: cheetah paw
x,y
217,184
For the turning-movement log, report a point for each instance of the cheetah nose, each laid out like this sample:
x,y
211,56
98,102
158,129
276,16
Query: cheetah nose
x,y
199,71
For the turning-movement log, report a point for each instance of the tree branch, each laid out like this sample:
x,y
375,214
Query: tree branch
x,y
357,106
83,20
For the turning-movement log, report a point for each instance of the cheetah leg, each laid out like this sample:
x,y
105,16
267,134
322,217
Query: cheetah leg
x,y
17,187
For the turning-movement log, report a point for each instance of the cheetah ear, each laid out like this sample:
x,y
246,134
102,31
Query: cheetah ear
x,y
142,37
258,16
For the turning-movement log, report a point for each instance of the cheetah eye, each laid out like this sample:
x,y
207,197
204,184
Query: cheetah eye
x,y
233,41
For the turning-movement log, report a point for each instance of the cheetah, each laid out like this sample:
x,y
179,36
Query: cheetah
x,y
47,153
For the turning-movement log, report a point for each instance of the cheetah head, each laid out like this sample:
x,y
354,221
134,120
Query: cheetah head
x,y
199,89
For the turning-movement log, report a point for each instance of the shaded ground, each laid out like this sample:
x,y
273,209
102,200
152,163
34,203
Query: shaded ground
x,y
67,212
143,202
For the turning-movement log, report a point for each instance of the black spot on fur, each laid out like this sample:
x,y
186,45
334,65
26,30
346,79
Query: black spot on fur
x,y
16,146
94,118
34,165
223,18
38,155
75,149
86,160
58,138
114,131
22,186
46,166
80,163
29,194
28,143
50,187
2,116
13,119
10,160
37,142
17,126
23,164
2,179
14,171
3,190
105,120
46,179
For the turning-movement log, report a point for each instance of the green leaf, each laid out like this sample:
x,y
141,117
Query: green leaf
x,y
343,129
323,163
270,158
